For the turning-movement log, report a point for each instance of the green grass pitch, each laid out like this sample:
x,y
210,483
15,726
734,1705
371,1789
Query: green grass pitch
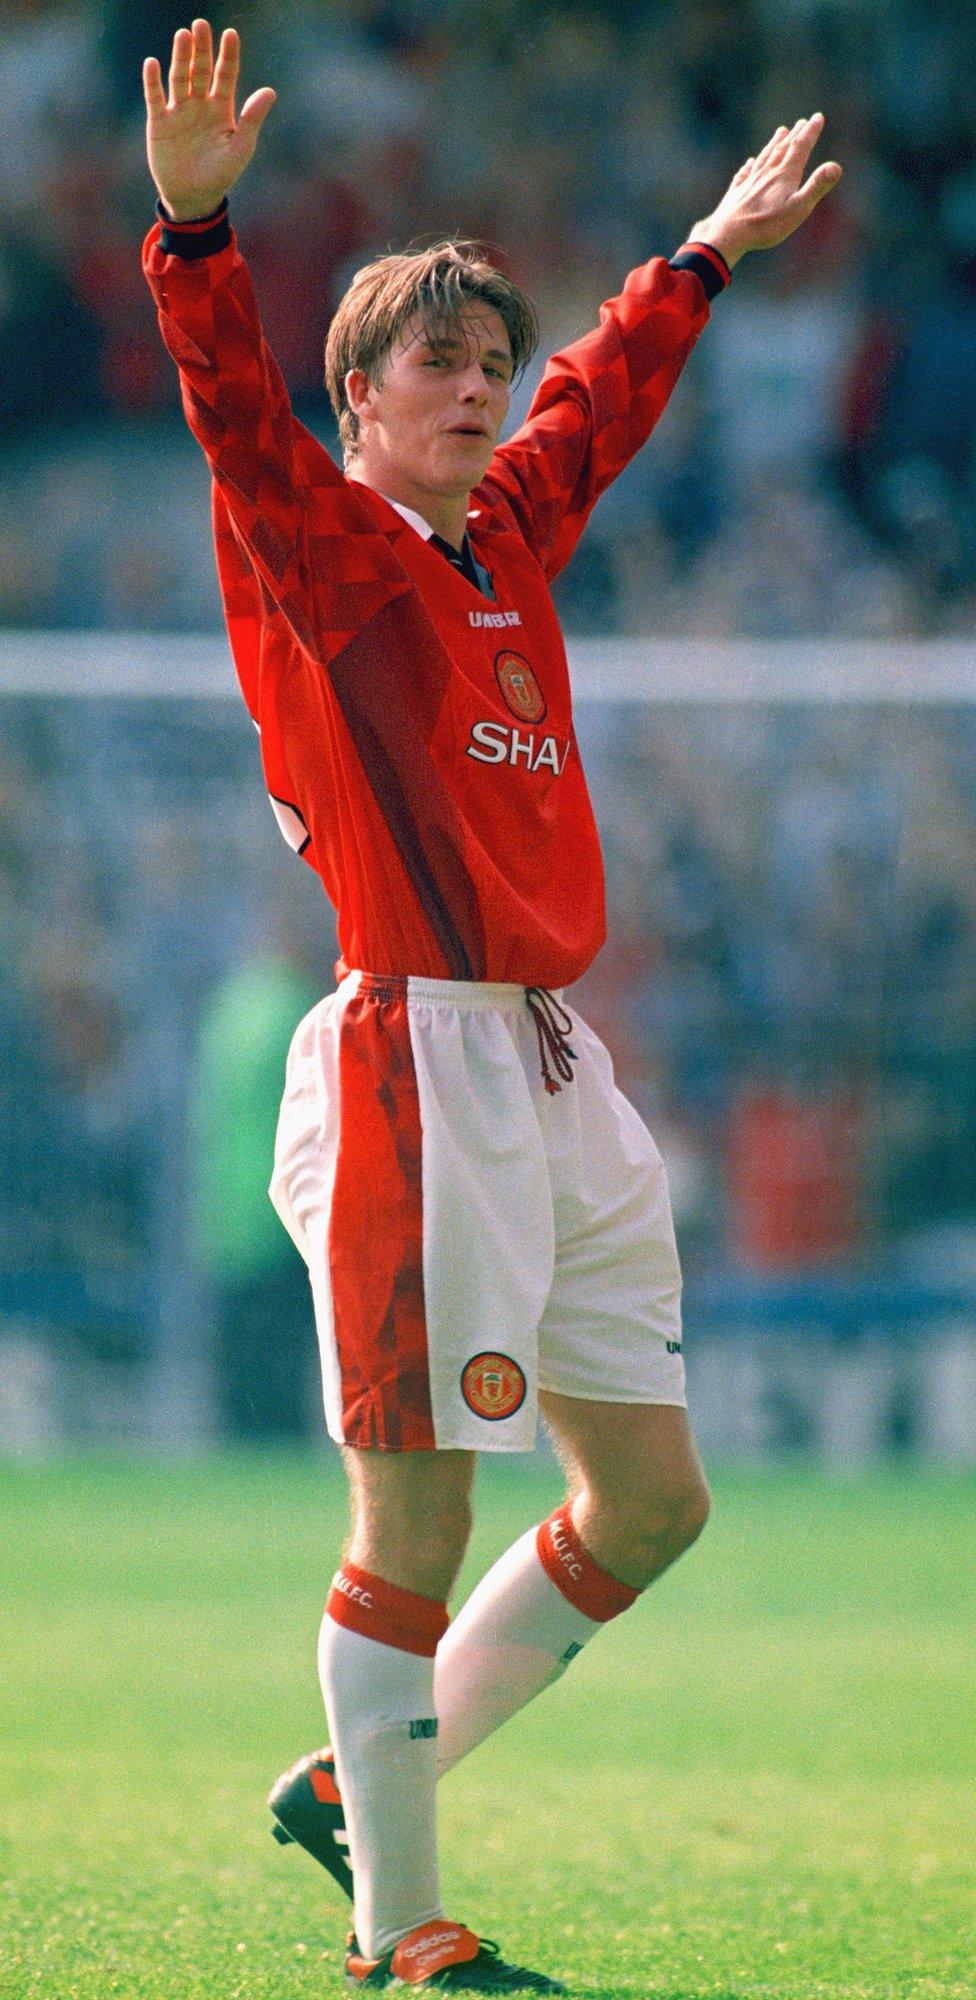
x,y
757,1786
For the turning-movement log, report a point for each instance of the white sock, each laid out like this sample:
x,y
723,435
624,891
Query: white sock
x,y
376,1666
519,1630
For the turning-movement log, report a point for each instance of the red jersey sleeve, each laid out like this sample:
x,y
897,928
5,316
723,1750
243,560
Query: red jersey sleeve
x,y
278,494
599,400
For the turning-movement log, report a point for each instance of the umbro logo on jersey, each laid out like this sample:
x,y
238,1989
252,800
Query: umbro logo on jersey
x,y
495,620
495,743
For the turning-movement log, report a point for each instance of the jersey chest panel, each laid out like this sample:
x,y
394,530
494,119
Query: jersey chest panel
x,y
509,676
436,747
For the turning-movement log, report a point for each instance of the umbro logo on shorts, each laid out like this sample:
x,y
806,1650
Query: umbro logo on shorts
x,y
495,620
493,1386
673,1346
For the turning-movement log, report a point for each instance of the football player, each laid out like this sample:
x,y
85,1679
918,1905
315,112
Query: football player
x,y
484,1217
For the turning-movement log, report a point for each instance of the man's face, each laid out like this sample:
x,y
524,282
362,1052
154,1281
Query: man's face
x,y
436,411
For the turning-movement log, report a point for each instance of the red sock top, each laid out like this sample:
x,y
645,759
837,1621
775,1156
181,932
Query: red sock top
x,y
379,1610
573,1570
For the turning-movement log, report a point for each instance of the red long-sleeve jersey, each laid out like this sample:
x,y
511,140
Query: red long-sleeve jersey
x,y
416,735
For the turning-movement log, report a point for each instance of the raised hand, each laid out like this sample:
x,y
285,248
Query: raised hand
x,y
197,146
768,198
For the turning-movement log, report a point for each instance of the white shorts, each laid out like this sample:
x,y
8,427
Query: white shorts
x,y
472,1235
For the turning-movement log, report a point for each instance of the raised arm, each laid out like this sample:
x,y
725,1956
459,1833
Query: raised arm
x,y
196,144
600,398
266,466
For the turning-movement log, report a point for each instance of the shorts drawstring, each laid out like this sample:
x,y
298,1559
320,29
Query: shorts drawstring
x,y
552,1025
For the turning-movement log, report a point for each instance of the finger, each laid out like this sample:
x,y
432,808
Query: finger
x,y
256,110
778,155
744,171
789,139
774,147
787,164
152,84
179,68
804,137
201,60
819,184
227,67
781,133
797,132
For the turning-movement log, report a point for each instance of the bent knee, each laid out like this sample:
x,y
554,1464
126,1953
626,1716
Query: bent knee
x,y
691,1514
676,1516
663,1524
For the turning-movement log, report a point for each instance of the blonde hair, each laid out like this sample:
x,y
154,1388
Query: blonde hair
x,y
430,286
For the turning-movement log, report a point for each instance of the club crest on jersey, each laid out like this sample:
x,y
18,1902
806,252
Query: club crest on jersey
x,y
493,1386
521,692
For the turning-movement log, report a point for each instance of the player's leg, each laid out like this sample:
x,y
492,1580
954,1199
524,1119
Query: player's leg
x,y
612,1392
411,1518
386,1611
637,1490
411,1515
637,1498
428,1333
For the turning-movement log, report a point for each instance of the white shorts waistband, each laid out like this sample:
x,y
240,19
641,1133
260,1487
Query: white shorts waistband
x,y
442,992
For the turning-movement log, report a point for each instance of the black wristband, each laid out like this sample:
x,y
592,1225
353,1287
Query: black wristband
x,y
707,263
199,238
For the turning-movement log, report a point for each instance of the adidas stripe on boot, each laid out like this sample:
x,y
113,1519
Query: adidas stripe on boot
x,y
444,1957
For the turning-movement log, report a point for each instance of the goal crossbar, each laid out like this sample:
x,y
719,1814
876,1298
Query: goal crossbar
x,y
162,665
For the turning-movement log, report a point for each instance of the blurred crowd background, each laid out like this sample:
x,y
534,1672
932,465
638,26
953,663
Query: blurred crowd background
x,y
790,984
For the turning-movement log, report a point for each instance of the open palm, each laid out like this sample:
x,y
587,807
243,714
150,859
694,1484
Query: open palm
x,y
197,145
769,197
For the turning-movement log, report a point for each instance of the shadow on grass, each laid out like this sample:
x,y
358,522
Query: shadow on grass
x,y
632,1987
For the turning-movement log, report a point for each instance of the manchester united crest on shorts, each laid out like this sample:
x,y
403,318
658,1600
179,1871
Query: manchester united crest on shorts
x,y
493,1386
520,689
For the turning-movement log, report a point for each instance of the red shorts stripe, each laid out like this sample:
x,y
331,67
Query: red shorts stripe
x,y
376,1233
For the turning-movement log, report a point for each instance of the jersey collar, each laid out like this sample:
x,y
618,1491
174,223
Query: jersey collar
x,y
417,521
411,516
464,560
